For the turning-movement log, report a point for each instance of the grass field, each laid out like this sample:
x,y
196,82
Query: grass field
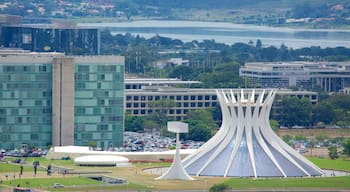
x,y
141,181
329,182
336,164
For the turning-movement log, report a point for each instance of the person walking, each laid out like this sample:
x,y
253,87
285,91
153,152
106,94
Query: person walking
x,y
20,170
35,164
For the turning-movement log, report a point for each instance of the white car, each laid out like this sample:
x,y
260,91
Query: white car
x,y
57,185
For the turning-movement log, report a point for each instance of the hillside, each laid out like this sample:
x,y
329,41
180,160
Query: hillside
x,y
325,13
235,4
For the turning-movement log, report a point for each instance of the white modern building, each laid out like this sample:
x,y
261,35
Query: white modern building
x,y
329,76
245,145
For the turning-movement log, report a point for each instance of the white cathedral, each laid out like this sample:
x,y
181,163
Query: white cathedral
x,y
245,145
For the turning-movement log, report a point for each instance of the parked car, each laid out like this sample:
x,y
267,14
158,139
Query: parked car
x,y
58,185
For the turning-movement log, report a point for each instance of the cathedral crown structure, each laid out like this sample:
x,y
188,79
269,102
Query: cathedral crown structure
x,y
245,145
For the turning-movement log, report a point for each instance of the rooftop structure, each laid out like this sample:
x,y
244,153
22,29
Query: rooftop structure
x,y
245,145
329,76
139,83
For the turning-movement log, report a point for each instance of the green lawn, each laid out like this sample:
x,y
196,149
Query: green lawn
x,y
336,164
78,183
326,182
10,168
48,182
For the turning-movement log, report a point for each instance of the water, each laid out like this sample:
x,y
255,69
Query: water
x,y
230,33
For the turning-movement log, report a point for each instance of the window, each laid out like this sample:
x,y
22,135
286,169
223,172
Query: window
x,y
193,97
101,102
186,97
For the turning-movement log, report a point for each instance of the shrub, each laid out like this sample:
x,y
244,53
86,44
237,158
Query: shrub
x,y
218,187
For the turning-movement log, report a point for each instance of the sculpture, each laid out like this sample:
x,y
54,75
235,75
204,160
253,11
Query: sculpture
x,y
245,145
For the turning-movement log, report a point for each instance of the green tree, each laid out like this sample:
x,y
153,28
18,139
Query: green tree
x,y
182,72
223,76
333,152
296,111
346,146
300,137
287,138
134,123
274,125
324,112
219,187
160,112
201,125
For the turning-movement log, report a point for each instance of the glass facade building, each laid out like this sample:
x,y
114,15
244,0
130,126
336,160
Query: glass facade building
x,y
99,96
50,99
25,104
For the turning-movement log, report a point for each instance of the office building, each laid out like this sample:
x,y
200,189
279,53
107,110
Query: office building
x,y
65,38
138,96
327,76
51,99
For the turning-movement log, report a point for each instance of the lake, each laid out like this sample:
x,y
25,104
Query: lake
x,y
230,33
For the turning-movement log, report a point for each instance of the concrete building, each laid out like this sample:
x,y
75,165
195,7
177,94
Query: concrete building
x,y
137,99
245,145
51,99
329,76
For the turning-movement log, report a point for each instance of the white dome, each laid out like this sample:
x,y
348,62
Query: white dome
x,y
105,160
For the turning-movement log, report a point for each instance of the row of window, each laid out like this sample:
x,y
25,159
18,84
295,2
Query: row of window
x,y
170,111
172,97
25,120
21,85
25,68
179,104
25,111
97,68
25,94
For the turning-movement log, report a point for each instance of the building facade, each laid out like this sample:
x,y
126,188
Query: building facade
x,y
137,100
327,76
246,145
70,40
52,99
